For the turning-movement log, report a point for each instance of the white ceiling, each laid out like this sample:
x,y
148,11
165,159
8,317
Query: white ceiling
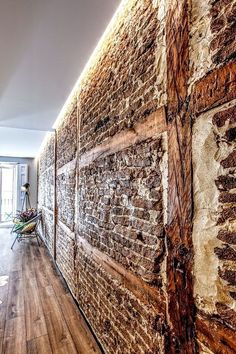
x,y
20,142
44,46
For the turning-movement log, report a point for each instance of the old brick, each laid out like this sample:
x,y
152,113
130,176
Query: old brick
x,y
141,214
225,253
65,248
155,194
133,56
66,198
116,311
47,229
104,197
225,52
223,27
122,220
217,6
231,15
227,214
230,134
226,182
233,294
229,161
226,236
67,137
46,188
220,118
228,275
117,211
227,198
114,204
47,157
217,23
227,314
124,181
146,204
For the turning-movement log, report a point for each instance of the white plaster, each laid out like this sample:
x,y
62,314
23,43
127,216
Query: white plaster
x,y
200,38
160,94
208,287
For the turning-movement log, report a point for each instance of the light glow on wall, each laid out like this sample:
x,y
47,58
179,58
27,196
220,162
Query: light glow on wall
x,y
119,14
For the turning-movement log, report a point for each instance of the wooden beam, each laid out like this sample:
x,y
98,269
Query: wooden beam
x,y
150,127
179,219
215,335
214,89
69,166
143,291
66,229
47,169
48,210
55,200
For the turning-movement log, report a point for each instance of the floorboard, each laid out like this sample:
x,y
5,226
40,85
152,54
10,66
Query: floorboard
x,y
39,345
38,315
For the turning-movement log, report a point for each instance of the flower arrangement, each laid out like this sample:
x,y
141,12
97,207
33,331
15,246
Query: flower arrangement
x,y
24,216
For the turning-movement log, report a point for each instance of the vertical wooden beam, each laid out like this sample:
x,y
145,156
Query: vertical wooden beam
x,y
76,187
37,183
181,311
55,200
0,194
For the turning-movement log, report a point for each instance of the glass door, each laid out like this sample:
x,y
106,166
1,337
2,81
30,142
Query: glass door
x,y
8,193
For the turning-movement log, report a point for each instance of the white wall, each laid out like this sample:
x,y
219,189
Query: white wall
x,y
32,171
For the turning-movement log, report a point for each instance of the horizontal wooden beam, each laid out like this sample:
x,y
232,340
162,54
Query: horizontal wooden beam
x,y
142,290
214,89
66,229
51,167
151,127
47,210
69,166
214,335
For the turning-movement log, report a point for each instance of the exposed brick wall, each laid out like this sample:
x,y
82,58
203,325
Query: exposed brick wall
x,y
121,209
223,27
65,251
66,198
46,190
112,180
67,137
66,194
212,84
213,33
47,230
46,174
47,157
123,323
110,102
120,197
225,134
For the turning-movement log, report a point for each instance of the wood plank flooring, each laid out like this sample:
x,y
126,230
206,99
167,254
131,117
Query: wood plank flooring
x,y
37,312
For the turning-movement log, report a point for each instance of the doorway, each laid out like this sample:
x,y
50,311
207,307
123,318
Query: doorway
x,y
8,191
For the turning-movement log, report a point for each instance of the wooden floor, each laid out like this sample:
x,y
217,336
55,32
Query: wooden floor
x,y
37,312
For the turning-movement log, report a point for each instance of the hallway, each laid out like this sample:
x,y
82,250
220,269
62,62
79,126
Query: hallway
x,y
118,146
37,312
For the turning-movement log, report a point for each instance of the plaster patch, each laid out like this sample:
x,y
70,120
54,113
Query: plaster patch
x,y
207,155
200,39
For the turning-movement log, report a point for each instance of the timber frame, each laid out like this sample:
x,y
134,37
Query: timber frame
x,y
218,86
